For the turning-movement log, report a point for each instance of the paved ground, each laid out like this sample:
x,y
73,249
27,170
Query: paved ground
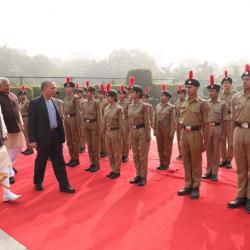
x,y
8,243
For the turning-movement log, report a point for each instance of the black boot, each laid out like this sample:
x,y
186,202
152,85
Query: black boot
x,y
29,151
74,163
237,202
142,182
228,164
94,168
184,191
90,167
207,176
124,158
135,179
195,194
223,164
162,167
214,177
114,175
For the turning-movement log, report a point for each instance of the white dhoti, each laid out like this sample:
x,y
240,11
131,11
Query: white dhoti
x,y
15,144
5,162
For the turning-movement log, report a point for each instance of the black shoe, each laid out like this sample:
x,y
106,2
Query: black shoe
x,y
248,206
94,168
70,162
15,170
125,158
237,202
115,175
179,158
82,150
74,163
162,167
184,191
67,189
228,164
142,182
214,177
38,187
90,166
206,176
135,179
109,175
12,180
223,164
103,154
29,151
195,194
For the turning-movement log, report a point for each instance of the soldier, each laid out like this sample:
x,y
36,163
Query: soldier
x,y
102,104
59,103
194,136
217,119
124,103
145,98
181,93
227,144
71,112
82,137
114,130
24,105
139,122
241,142
164,128
92,126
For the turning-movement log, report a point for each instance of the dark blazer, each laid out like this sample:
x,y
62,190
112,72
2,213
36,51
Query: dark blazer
x,y
38,122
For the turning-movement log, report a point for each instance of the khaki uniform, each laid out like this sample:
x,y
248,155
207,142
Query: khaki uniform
x,y
139,122
71,113
164,128
24,105
92,125
126,137
59,104
192,113
178,127
102,104
218,115
82,141
114,130
227,145
241,142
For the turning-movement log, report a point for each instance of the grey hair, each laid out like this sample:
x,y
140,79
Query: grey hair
x,y
45,84
3,79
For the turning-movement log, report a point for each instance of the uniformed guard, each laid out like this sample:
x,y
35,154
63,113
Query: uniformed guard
x,y
145,98
24,105
227,144
181,94
71,113
164,128
218,116
124,103
241,142
194,136
113,130
102,104
59,103
92,126
140,128
82,137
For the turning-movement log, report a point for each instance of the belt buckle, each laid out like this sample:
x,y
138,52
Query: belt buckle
x,y
212,124
244,125
87,120
133,126
68,116
188,128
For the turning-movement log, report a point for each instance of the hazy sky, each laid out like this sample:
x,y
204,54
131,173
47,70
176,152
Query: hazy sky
x,y
169,30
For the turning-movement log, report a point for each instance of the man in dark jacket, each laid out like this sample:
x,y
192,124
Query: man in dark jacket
x,y
46,134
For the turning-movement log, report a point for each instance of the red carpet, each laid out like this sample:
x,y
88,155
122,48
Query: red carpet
x,y
112,214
